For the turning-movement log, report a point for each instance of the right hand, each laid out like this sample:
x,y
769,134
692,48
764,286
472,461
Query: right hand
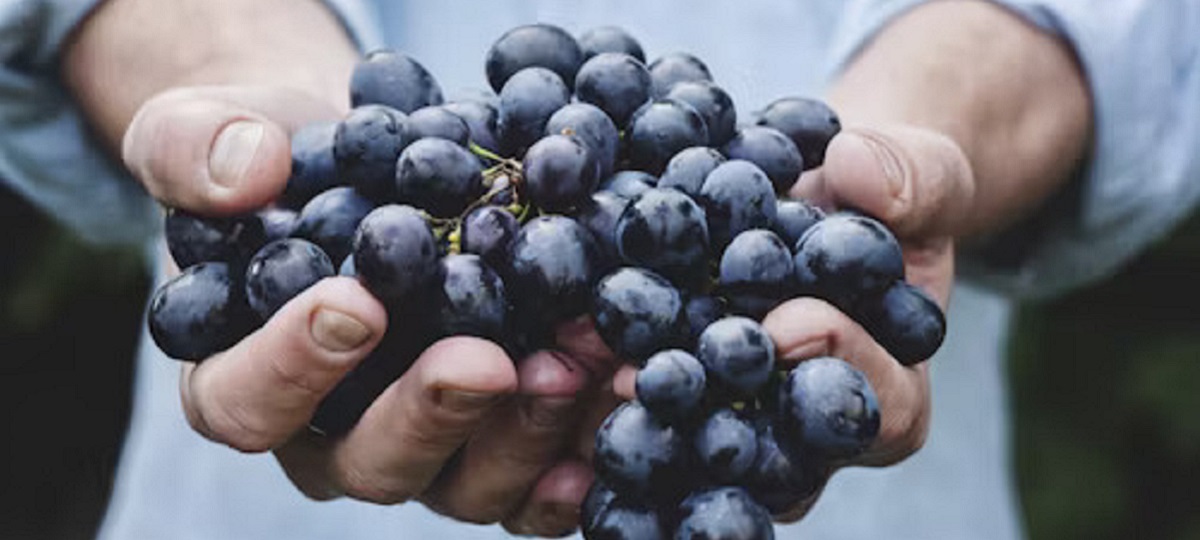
x,y
225,149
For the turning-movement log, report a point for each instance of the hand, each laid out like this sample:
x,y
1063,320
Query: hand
x,y
466,430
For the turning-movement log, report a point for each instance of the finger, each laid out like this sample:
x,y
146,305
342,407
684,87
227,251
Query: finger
x,y
218,150
519,442
624,382
916,181
579,340
255,395
408,434
552,509
805,328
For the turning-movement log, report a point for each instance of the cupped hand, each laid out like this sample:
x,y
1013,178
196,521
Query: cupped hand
x,y
466,430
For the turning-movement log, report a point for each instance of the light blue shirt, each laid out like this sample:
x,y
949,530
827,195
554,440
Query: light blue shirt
x,y
1140,57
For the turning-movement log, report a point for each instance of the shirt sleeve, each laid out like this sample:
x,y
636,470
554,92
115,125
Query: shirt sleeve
x,y
1142,64
47,153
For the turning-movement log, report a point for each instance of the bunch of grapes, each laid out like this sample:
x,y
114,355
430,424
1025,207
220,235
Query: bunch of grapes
x,y
589,183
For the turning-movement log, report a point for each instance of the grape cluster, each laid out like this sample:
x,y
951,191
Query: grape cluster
x,y
589,183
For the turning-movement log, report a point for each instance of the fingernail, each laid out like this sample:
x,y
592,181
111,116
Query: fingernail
x,y
234,151
337,332
549,411
463,401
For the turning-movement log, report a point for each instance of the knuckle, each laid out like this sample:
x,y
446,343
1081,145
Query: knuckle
x,y
308,382
374,487
239,429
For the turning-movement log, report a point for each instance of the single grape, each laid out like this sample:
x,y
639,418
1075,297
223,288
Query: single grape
x,y
330,219
599,497
591,126
727,513
395,254
713,104
738,355
560,173
600,216
638,313
659,130
809,123
193,239
540,45
616,83
366,145
472,300
439,176
908,323
626,520
736,196
394,79
487,231
278,223
676,67
671,386
846,257
282,270
527,101
482,119
665,231
639,456
771,150
610,39
551,270
688,169
200,312
756,273
628,184
314,168
438,122
793,218
702,310
726,447
779,481
827,409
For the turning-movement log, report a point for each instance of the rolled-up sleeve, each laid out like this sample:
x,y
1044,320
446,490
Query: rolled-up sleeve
x,y
1142,63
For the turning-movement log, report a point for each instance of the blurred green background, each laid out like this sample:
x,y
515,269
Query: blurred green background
x,y
1106,389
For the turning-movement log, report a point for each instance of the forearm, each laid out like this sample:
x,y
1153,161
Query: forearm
x,y
1012,97
129,50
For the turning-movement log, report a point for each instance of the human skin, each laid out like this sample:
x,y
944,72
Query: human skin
x,y
982,118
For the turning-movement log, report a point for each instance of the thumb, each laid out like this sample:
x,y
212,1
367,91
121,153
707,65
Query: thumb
x,y
915,180
218,150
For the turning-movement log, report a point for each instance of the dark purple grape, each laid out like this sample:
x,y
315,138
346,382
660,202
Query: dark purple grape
x,y
638,313
639,456
278,223
527,101
827,410
628,184
687,170
438,176
846,257
599,497
622,520
736,196
394,79
438,122
193,239
482,119
779,481
395,254
616,83
560,173
809,123
713,104
673,68
665,231
610,39
591,126
330,219
726,447
659,130
725,513
738,355
534,45
701,311
908,323
487,231
600,216
282,270
551,270
314,168
472,300
671,386
200,312
793,218
367,143
756,273
772,151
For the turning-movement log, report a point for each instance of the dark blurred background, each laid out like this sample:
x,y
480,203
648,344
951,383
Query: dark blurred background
x,y
1106,389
